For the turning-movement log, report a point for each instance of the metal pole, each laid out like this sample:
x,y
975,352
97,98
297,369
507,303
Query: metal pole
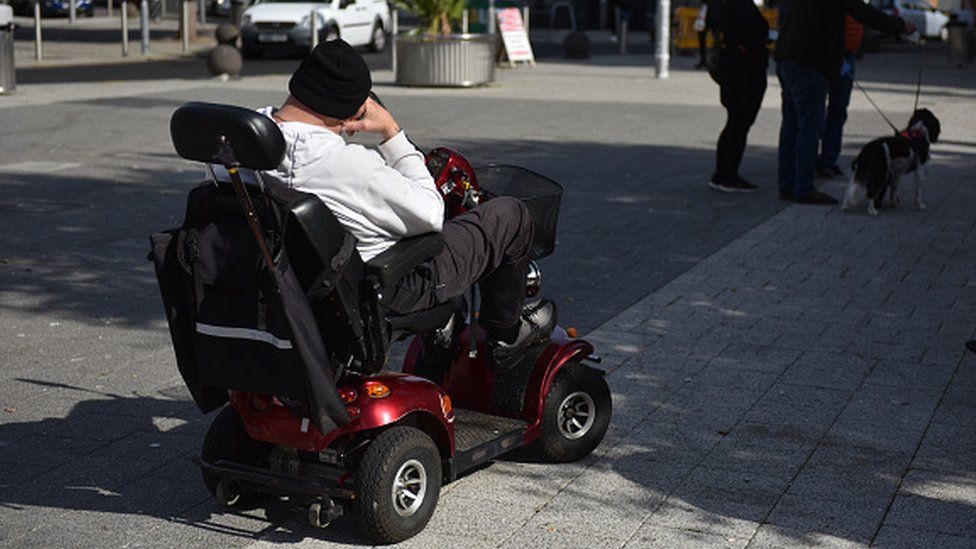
x,y
395,31
663,55
72,11
162,9
144,25
315,29
491,16
185,24
109,3
124,8
623,37
464,22
38,47
203,12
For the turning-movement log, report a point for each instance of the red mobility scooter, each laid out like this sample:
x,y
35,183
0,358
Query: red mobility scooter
x,y
271,310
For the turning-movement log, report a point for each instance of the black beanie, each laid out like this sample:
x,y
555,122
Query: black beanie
x,y
333,81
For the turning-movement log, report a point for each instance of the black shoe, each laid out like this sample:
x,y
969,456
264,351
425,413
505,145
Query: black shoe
x,y
536,323
829,171
816,197
737,185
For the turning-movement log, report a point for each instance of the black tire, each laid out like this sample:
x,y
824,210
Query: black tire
x,y
226,439
377,38
577,389
396,452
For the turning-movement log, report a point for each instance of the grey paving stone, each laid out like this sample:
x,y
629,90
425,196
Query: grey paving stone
x,y
905,373
820,516
936,502
893,537
947,447
761,450
799,407
710,516
934,515
668,538
776,537
828,369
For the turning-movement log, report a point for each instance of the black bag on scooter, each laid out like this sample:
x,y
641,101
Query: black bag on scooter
x,y
237,325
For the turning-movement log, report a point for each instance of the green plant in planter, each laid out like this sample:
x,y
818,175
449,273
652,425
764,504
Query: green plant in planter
x,y
437,17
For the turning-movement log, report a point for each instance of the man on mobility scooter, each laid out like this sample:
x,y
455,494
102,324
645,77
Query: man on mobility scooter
x,y
282,304
383,199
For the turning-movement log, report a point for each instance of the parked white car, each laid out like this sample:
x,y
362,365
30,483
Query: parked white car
x,y
931,23
283,24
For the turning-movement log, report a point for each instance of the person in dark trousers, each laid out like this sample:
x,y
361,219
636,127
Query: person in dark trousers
x,y
809,54
743,32
385,195
838,98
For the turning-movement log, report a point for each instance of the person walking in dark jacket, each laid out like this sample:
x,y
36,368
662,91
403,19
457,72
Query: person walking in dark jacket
x,y
743,32
809,54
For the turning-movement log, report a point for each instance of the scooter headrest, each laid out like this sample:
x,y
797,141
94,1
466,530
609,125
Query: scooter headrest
x,y
198,128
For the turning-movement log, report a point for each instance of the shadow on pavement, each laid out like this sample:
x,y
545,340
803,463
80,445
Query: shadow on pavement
x,y
626,227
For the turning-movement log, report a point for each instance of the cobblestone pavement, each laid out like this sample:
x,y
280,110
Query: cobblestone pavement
x,y
782,376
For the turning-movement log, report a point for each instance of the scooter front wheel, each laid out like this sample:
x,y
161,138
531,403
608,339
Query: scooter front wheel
x,y
576,414
398,484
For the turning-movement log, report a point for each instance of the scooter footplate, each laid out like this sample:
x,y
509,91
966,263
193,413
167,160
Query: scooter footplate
x,y
472,429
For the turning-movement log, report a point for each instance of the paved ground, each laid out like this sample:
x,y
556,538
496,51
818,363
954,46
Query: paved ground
x,y
782,375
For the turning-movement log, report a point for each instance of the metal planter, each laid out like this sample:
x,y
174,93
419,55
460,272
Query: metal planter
x,y
457,60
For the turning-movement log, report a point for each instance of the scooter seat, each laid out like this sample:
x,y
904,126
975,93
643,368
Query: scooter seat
x,y
423,321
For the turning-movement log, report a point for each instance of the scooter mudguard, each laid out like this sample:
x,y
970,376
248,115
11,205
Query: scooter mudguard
x,y
472,385
372,402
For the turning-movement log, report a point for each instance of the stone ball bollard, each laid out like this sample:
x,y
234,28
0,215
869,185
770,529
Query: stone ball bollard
x,y
225,60
226,33
577,45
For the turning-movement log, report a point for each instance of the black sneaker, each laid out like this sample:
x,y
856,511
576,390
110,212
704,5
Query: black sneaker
x,y
537,322
737,185
816,197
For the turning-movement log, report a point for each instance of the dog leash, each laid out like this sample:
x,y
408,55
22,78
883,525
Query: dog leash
x,y
918,91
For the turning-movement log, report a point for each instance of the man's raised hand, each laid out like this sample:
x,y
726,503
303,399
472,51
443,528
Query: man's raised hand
x,y
372,118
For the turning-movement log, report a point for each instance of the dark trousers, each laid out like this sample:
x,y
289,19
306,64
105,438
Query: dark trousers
x,y
490,245
804,94
742,92
838,97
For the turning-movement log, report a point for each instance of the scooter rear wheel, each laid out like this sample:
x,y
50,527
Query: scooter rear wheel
x,y
576,414
398,484
227,440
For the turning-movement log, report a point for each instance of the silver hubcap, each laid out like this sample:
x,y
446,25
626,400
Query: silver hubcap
x,y
379,38
331,34
576,415
409,488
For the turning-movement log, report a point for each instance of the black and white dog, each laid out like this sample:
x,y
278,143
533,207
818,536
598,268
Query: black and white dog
x,y
882,162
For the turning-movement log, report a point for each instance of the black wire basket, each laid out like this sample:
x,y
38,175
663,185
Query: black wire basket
x,y
539,193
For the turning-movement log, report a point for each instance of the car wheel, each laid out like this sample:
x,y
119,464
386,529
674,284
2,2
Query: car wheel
x,y
227,440
576,414
377,39
398,483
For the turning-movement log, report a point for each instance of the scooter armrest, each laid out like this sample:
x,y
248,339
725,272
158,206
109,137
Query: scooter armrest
x,y
393,264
